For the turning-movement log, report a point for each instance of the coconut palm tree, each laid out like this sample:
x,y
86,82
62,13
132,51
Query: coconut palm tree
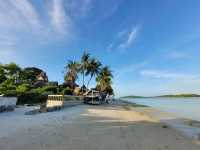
x,y
93,69
104,79
84,65
72,69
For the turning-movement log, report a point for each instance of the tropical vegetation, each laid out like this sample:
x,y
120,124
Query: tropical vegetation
x,y
31,84
89,68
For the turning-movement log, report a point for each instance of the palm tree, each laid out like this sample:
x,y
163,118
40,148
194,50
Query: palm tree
x,y
104,79
72,69
93,69
84,65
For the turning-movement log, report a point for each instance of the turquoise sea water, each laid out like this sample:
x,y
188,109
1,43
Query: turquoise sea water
x,y
181,107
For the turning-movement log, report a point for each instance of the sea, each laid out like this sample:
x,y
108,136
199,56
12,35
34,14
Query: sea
x,y
181,107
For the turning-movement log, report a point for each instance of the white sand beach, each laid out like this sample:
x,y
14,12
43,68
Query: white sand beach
x,y
87,127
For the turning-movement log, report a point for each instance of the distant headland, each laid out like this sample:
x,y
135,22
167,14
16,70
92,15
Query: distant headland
x,y
164,96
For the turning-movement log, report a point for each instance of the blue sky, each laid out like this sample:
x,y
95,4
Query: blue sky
x,y
152,47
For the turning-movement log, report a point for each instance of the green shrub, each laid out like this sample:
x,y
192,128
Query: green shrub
x,y
10,93
60,89
50,89
67,91
31,98
46,90
7,85
37,90
22,88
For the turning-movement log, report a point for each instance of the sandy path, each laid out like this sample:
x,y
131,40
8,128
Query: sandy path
x,y
95,128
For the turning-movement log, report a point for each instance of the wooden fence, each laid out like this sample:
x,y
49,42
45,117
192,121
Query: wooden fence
x,y
55,101
63,100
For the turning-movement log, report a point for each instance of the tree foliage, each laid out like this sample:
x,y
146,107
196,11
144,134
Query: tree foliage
x,y
17,81
72,69
93,69
84,65
104,81
90,68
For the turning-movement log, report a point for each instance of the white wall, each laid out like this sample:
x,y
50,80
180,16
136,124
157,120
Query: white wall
x,y
8,101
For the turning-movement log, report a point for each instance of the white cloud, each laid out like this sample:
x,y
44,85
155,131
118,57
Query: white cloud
x,y
22,22
131,36
169,75
168,82
18,18
124,39
28,24
59,18
27,11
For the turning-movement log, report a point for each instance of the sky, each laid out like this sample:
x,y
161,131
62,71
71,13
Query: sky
x,y
152,47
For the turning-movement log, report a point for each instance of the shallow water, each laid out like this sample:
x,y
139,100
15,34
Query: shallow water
x,y
181,107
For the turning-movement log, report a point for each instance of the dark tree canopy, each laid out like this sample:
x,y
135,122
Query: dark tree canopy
x,y
30,74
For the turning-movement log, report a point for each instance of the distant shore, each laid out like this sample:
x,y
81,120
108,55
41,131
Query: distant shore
x,y
165,96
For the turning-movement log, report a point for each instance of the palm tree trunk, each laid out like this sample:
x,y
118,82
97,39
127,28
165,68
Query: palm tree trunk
x,y
83,74
83,78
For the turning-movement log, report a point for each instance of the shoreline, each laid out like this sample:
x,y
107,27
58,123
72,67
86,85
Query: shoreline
x,y
188,127
90,127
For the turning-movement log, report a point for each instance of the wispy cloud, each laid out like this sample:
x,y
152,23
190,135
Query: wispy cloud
x,y
171,82
18,20
124,39
27,11
130,38
169,75
22,24
59,18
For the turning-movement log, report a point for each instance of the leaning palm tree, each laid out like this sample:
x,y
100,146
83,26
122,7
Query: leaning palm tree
x,y
72,69
84,65
93,69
